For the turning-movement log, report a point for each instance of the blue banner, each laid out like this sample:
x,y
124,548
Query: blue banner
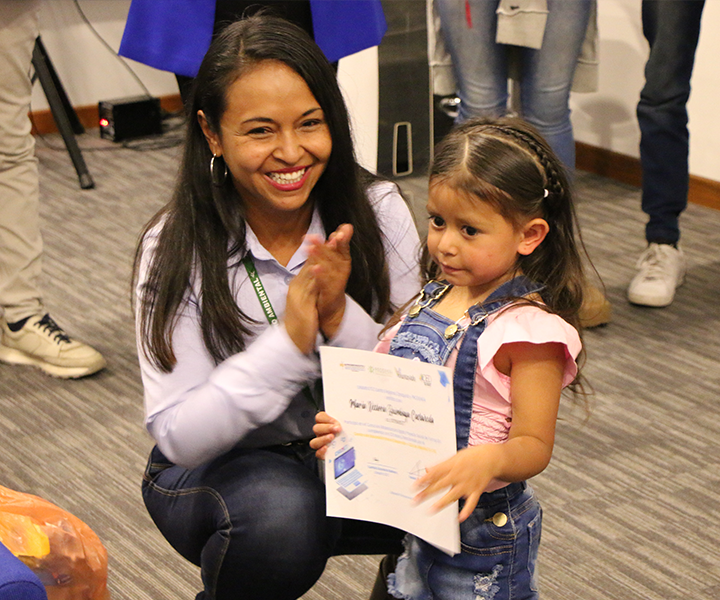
x,y
344,27
170,35
174,35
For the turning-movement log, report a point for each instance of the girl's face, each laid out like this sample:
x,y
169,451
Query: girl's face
x,y
473,244
274,139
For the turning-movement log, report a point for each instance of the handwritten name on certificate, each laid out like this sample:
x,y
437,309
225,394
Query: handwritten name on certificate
x,y
397,418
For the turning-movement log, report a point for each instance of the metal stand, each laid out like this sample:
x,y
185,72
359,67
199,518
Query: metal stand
x,y
62,111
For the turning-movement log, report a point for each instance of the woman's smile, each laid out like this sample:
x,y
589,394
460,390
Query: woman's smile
x,y
288,179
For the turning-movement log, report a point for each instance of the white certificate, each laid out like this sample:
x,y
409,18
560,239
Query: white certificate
x,y
397,418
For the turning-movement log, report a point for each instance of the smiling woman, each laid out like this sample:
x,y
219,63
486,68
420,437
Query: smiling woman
x,y
231,303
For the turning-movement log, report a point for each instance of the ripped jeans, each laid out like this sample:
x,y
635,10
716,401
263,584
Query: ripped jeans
x,y
500,542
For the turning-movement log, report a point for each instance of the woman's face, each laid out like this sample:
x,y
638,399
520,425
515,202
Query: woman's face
x,y
274,139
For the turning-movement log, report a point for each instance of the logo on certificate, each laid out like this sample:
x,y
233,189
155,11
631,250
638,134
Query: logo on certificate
x,y
348,477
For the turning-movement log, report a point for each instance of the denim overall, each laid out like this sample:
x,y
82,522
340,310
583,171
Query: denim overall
x,y
501,537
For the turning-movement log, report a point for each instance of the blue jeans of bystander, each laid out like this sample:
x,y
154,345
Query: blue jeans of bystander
x,y
481,66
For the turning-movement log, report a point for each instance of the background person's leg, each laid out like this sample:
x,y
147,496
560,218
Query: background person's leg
x,y
672,28
480,64
547,76
20,239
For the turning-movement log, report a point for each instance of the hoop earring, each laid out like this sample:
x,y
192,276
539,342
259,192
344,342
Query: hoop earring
x,y
217,179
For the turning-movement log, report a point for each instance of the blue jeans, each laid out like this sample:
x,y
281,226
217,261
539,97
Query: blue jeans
x,y
481,67
254,521
672,28
500,542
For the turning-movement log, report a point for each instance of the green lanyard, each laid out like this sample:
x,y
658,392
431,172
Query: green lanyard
x,y
272,319
259,290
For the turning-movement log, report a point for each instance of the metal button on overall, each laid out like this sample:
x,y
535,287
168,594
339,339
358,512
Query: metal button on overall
x,y
499,519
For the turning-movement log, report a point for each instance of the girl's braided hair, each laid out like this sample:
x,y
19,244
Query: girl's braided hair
x,y
506,163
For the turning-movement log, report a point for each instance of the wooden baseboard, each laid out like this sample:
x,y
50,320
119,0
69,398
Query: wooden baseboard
x,y
627,169
43,122
607,163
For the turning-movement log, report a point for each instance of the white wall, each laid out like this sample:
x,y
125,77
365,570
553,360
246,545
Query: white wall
x,y
90,72
358,79
607,118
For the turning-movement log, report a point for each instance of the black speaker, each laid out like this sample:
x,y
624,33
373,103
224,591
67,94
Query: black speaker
x,y
127,118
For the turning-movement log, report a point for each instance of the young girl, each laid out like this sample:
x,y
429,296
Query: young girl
x,y
501,309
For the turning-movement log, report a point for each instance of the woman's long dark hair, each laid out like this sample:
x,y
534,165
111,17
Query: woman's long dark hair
x,y
203,225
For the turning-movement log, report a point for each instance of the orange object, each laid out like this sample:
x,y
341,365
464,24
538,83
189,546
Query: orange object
x,y
61,550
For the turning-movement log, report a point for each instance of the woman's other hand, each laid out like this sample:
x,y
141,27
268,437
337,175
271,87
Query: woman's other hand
x,y
331,265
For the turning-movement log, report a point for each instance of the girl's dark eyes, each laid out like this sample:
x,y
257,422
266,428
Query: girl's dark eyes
x,y
438,223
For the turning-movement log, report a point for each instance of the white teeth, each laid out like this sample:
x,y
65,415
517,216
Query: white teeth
x,y
285,178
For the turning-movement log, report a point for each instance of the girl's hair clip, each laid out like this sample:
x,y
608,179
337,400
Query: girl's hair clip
x,y
546,193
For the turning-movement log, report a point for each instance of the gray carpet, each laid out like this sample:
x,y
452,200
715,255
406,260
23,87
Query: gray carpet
x,y
630,498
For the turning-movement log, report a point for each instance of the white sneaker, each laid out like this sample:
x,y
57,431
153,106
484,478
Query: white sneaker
x,y
662,270
43,344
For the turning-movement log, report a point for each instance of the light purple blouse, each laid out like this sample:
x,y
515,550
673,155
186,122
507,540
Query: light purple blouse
x,y
254,398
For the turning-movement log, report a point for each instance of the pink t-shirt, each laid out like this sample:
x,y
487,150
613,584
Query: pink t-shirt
x,y
492,405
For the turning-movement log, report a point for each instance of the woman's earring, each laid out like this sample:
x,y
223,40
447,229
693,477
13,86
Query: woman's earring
x,y
218,179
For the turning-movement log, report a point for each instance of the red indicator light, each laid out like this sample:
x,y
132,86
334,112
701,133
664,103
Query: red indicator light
x,y
104,122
